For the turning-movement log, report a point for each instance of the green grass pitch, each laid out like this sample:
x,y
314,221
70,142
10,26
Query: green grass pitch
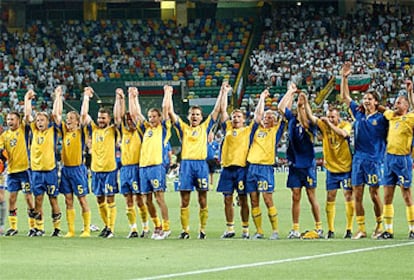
x,y
120,258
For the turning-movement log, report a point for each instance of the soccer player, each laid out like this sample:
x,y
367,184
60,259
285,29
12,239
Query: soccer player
x,y
152,170
370,130
14,141
234,160
74,176
336,135
302,163
43,164
266,133
398,162
130,153
212,160
103,165
194,168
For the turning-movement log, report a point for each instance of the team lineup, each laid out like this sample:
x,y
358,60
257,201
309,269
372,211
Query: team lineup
x,y
381,157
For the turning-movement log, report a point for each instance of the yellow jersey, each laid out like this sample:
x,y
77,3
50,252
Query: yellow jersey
x,y
400,133
103,148
336,149
235,145
154,142
130,146
194,139
43,148
73,144
264,144
16,144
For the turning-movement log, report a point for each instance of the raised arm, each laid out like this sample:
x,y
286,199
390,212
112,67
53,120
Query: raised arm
x,y
287,99
308,111
58,106
134,107
410,93
87,95
217,106
258,113
337,130
30,95
171,113
344,92
119,106
167,101
226,88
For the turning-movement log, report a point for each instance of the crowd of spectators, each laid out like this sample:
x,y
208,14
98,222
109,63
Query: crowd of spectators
x,y
308,45
74,54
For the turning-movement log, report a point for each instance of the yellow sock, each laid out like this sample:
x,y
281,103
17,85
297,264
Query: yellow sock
x,y
31,222
409,211
185,219
296,227
103,211
349,210
132,218
273,218
13,222
203,215
86,216
379,221
39,224
361,223
165,225
157,222
70,218
112,215
388,217
318,225
257,219
330,215
230,226
56,221
143,213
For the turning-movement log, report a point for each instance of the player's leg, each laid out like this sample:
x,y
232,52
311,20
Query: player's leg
x,y
244,215
349,211
311,193
272,214
70,214
153,214
229,215
130,213
185,214
86,216
166,231
143,213
12,214
203,213
359,211
408,199
375,197
3,209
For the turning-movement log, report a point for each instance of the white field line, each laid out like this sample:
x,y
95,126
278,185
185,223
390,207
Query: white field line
x,y
248,265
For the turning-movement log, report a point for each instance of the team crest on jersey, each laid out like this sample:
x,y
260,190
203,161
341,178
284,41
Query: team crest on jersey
x,y
374,122
127,141
150,133
234,133
262,134
74,135
99,138
67,142
403,118
13,142
194,133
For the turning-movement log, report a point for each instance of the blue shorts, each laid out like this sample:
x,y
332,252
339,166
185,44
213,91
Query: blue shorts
x,y
105,183
336,181
19,181
398,170
232,178
45,182
260,178
193,174
152,178
301,177
365,171
129,179
74,179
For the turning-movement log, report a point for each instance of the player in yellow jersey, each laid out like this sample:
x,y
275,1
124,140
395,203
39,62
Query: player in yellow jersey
x,y
234,160
336,135
74,177
194,171
103,165
130,153
152,172
398,162
14,141
266,133
43,164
